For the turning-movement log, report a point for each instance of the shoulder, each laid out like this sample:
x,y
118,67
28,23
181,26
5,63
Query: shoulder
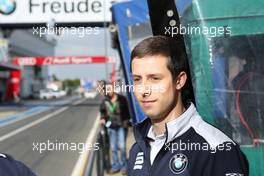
x,y
134,149
121,97
9,167
4,158
225,155
212,135
227,159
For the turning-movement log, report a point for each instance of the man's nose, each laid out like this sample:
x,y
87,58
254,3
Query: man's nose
x,y
146,91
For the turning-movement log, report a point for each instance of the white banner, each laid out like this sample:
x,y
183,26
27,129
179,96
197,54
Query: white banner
x,y
59,11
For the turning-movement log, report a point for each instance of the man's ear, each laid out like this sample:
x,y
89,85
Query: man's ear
x,y
181,80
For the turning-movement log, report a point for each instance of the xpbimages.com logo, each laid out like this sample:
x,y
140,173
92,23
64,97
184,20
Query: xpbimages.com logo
x,y
7,7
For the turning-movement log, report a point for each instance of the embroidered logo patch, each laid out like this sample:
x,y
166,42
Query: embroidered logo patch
x,y
178,163
7,6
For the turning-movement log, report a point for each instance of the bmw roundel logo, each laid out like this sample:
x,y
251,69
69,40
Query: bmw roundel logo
x,y
7,6
178,163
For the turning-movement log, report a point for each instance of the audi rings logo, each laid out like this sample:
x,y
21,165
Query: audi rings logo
x,y
7,6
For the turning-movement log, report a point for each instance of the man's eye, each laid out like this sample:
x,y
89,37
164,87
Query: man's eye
x,y
136,79
156,78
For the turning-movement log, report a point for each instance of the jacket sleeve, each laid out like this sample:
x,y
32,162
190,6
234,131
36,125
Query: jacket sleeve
x,y
130,163
228,162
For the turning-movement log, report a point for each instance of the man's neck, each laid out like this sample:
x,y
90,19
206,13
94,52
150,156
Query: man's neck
x,y
159,125
113,98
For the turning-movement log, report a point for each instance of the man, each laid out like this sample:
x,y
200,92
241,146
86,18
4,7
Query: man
x,y
11,167
174,140
245,106
115,116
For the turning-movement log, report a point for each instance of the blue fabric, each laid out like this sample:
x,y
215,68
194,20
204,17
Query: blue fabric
x,y
219,85
138,11
117,137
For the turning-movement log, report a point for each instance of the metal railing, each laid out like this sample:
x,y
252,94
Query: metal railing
x,y
99,160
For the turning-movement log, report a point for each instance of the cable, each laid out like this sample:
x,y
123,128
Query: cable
x,y
255,138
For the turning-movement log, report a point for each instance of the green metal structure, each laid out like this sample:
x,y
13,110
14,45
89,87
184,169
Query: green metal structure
x,y
229,34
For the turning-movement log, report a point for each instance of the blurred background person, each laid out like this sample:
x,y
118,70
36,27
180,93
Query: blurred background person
x,y
115,117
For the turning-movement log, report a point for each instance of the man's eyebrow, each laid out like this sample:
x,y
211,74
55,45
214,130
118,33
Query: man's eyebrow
x,y
149,75
136,75
155,74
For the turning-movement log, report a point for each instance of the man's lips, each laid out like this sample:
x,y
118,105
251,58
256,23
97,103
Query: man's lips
x,y
147,103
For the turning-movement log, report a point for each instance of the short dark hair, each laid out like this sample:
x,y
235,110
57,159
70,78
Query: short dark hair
x,y
165,46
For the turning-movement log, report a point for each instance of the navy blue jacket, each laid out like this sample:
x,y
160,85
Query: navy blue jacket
x,y
207,152
11,167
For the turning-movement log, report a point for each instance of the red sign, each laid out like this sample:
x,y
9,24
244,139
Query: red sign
x,y
33,61
15,76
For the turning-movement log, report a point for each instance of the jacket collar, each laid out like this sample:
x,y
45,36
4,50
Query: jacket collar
x,y
174,128
181,124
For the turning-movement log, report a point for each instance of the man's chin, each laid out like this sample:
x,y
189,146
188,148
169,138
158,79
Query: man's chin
x,y
152,116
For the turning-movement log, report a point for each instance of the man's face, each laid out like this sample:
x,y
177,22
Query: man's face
x,y
155,89
109,90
